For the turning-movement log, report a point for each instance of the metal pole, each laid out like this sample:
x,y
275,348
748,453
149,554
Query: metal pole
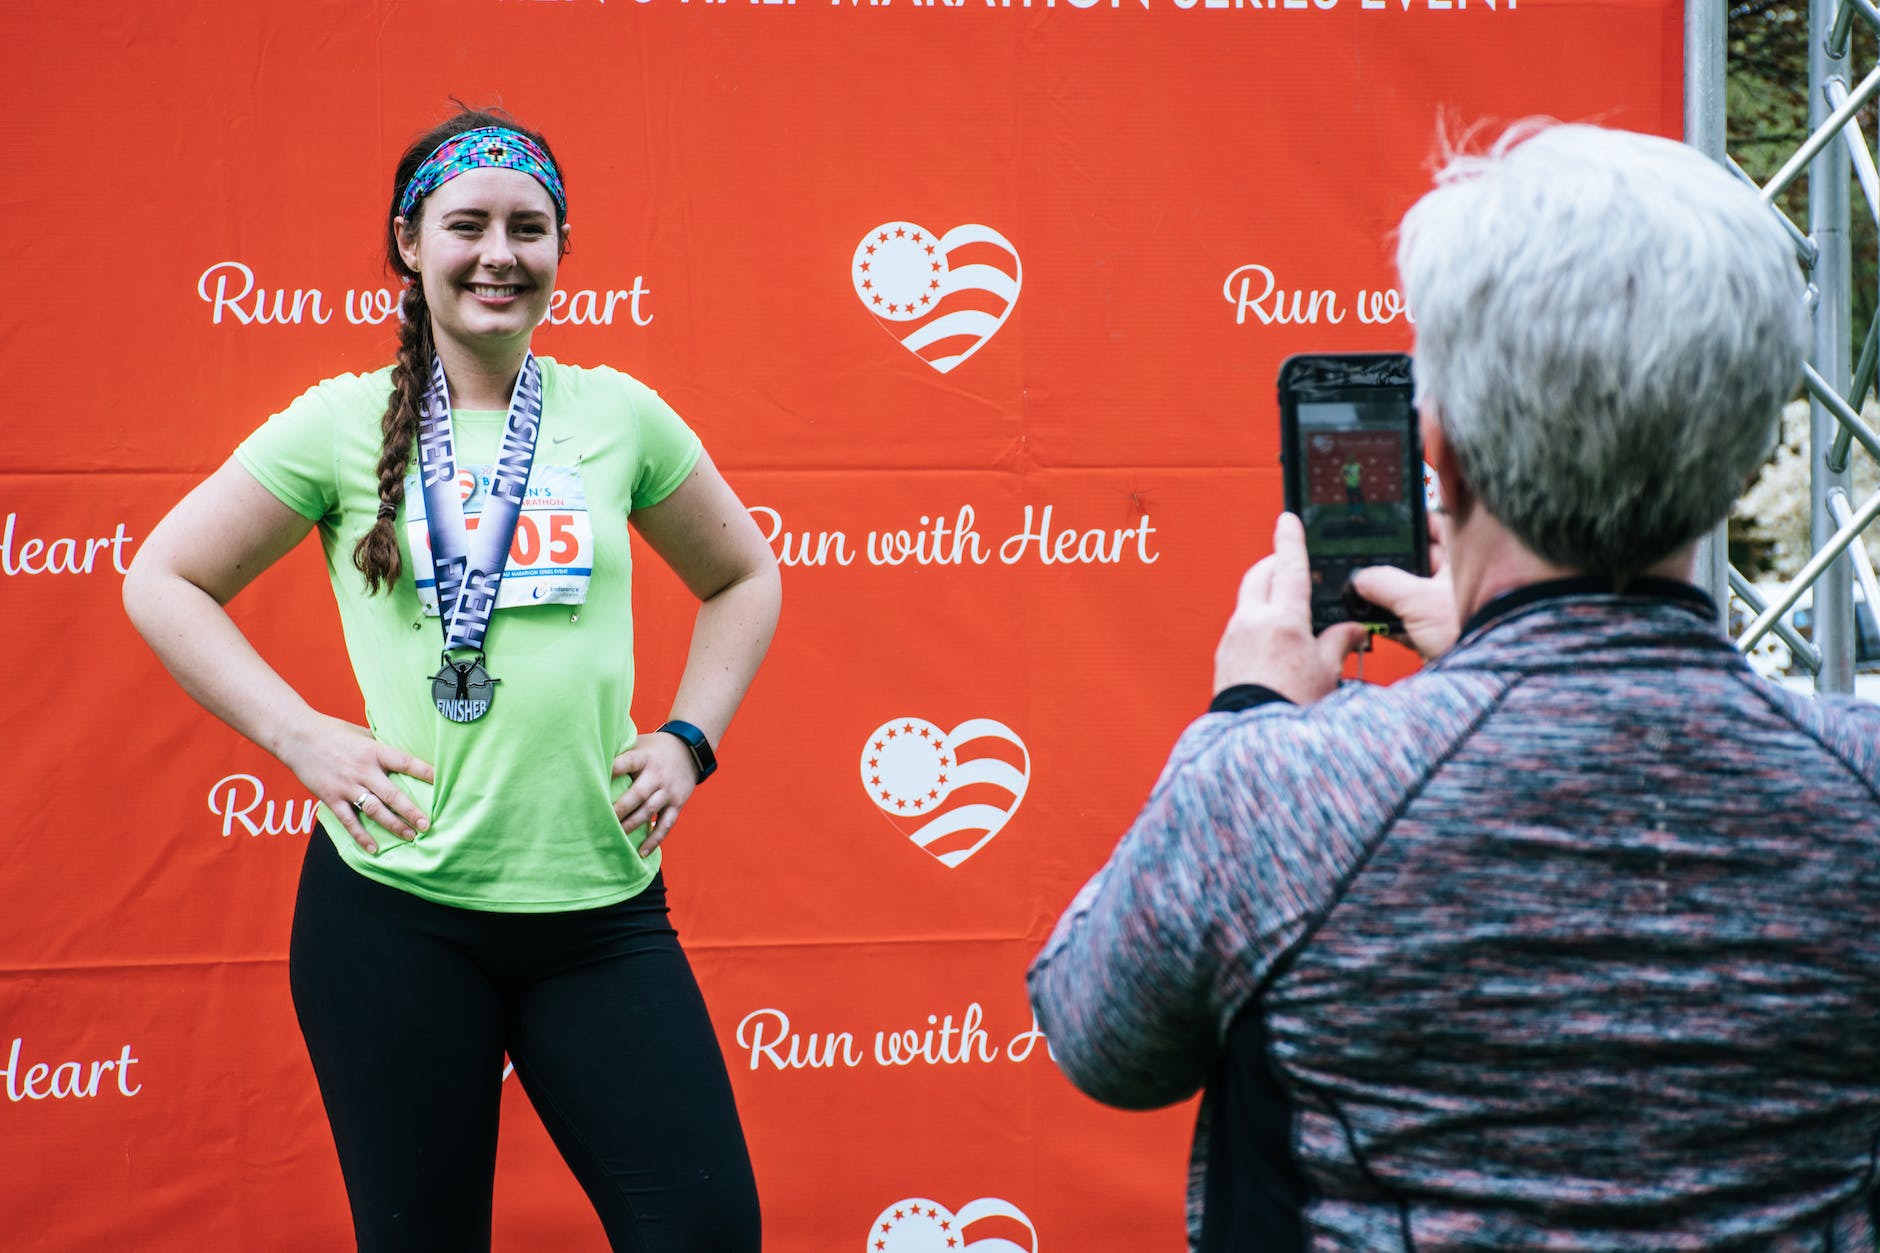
x,y
1834,552
1828,209
1824,129
1705,52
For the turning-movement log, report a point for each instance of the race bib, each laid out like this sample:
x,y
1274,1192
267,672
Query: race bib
x,y
551,558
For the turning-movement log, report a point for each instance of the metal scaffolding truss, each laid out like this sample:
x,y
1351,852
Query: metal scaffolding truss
x,y
1834,149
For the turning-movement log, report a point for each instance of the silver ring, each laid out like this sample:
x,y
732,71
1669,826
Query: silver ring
x,y
363,798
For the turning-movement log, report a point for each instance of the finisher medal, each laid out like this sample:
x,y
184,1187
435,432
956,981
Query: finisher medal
x,y
469,565
462,690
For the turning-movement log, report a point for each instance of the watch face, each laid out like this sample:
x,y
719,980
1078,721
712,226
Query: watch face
x,y
703,759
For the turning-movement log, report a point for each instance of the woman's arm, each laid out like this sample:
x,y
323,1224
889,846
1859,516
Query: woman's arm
x,y
210,546
704,533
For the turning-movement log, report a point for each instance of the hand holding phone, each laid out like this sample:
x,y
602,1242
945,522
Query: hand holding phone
x,y
1269,640
1427,607
1353,472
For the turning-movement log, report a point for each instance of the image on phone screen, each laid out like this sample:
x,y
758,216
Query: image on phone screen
x,y
1355,471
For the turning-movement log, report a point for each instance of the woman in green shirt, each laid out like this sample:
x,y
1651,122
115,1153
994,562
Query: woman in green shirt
x,y
490,881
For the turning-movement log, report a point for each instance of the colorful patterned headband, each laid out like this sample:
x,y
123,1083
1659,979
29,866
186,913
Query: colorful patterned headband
x,y
488,146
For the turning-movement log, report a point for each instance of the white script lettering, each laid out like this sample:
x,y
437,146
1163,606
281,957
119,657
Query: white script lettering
x,y
941,540
795,549
1254,289
59,556
233,295
370,307
768,1028
295,306
234,798
1070,546
593,308
937,1045
1274,305
769,1038
932,545
1377,307
1022,1044
60,1081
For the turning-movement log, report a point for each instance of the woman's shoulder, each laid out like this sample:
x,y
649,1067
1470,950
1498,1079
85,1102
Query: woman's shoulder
x,y
344,392
621,413
600,384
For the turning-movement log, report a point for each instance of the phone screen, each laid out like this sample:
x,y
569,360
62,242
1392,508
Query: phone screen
x,y
1355,478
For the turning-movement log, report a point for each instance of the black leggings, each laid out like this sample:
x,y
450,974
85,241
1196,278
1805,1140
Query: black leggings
x,y
408,1008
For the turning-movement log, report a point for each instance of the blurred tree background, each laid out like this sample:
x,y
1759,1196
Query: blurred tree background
x,y
1766,98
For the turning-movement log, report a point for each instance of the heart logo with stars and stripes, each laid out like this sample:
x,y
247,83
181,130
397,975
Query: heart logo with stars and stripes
x,y
948,792
941,296
918,1225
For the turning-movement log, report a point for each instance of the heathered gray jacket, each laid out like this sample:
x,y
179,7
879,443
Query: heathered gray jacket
x,y
1571,941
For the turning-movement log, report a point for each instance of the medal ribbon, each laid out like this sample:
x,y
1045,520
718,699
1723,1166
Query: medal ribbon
x,y
470,563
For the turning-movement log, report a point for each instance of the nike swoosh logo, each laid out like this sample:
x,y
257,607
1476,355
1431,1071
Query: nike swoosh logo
x,y
560,439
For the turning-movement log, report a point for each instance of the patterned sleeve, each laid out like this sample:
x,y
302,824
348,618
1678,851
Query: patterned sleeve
x,y
1153,957
1256,823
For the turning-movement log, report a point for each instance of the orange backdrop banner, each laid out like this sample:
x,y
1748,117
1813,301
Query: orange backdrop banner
x,y
979,306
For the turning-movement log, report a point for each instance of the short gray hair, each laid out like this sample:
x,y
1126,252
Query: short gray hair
x,y
1607,325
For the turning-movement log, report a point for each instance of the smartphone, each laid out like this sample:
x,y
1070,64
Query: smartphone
x,y
1353,470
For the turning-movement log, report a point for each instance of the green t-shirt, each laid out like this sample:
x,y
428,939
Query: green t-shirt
x,y
522,811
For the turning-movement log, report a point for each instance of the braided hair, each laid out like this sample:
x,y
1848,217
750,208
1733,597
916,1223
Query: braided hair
x,y
376,554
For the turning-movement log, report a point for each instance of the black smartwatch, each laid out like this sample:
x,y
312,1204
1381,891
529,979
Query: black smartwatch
x,y
703,759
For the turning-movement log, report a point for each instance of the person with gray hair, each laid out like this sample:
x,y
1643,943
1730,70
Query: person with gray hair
x,y
1607,351
1566,941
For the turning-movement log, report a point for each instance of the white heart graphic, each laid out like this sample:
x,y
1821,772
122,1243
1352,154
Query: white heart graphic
x,y
958,288
918,1225
949,792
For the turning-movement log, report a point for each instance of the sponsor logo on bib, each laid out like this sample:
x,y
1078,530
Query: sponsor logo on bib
x,y
551,558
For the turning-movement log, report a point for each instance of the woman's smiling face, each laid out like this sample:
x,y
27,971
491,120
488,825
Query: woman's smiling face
x,y
486,247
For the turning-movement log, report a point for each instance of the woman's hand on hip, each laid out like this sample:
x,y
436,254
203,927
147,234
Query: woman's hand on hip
x,y
351,773
663,778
